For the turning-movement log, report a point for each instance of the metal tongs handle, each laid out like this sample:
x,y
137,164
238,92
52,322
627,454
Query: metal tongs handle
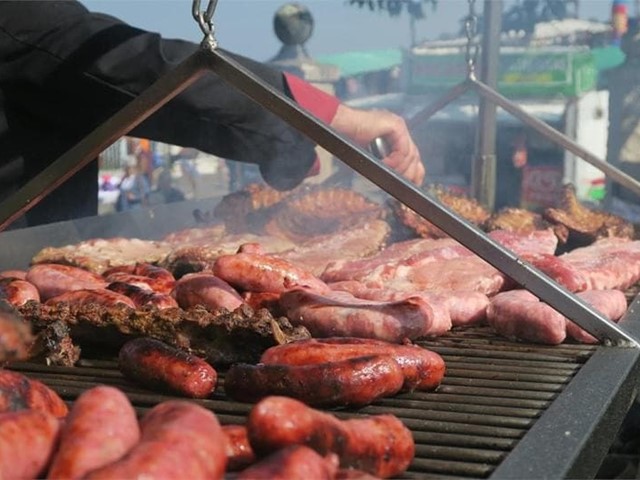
x,y
380,148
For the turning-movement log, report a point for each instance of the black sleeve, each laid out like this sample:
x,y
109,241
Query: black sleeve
x,y
72,69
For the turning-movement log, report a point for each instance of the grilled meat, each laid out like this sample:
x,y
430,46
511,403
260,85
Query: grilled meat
x,y
465,207
247,210
221,338
15,335
54,345
586,225
520,220
316,211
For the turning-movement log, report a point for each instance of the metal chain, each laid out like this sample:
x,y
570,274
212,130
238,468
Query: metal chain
x,y
471,27
204,19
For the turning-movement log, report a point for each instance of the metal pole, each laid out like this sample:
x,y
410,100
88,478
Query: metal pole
x,y
484,165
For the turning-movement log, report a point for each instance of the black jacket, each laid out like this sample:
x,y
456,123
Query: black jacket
x,y
64,70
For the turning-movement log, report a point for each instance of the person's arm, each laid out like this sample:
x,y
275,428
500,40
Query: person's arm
x,y
73,69
363,126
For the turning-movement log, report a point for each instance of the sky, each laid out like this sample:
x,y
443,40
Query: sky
x,y
246,26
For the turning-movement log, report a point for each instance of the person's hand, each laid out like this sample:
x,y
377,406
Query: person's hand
x,y
363,126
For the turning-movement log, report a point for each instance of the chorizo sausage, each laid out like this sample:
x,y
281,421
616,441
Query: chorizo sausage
x,y
163,278
100,296
179,439
206,289
264,273
18,392
141,297
100,429
239,452
15,274
157,365
295,462
18,292
422,368
27,442
352,381
380,445
52,279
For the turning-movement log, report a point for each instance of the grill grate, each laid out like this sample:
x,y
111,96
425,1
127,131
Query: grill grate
x,y
493,392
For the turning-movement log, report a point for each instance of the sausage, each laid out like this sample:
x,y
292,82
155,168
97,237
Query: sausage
x,y
27,442
101,428
157,365
99,296
264,273
158,279
380,445
52,279
612,304
17,392
268,300
16,337
18,292
239,451
295,462
179,439
207,290
422,368
15,274
164,280
141,297
352,381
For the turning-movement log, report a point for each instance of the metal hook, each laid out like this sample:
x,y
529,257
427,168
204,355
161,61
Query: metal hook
x,y
204,19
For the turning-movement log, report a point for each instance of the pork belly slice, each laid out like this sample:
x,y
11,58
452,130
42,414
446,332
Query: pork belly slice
x,y
519,315
538,242
462,308
612,304
341,314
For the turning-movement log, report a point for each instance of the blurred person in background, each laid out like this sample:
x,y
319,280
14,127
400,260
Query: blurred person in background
x,y
165,191
134,186
65,70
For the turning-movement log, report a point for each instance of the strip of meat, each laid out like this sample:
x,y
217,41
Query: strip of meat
x,y
179,440
264,273
52,279
142,297
18,392
520,315
295,462
612,304
98,296
353,381
422,368
16,338
18,292
157,365
381,444
206,289
16,274
100,429
27,442
239,452
341,314
537,242
567,275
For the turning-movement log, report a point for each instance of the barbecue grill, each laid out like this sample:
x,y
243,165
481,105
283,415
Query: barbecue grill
x,y
505,409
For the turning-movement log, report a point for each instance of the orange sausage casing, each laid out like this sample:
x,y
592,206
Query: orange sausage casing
x,y
422,368
27,441
100,429
157,365
18,292
52,279
239,451
353,381
295,462
18,392
380,445
179,439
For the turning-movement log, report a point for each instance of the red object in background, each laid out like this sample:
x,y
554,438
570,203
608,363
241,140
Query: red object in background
x,y
541,186
619,19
